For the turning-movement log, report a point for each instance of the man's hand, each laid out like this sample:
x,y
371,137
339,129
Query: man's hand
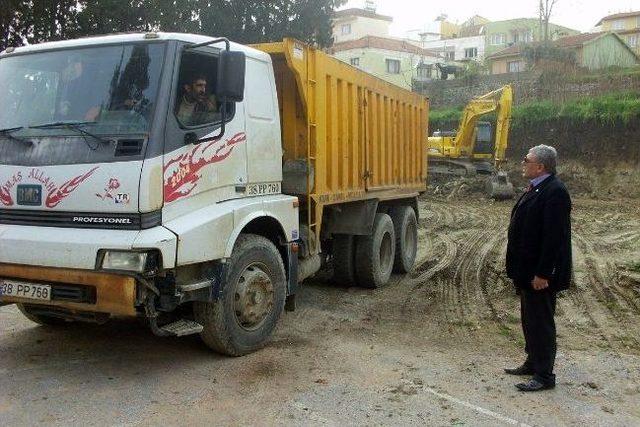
x,y
539,283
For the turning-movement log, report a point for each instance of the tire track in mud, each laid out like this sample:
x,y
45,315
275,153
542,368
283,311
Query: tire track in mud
x,y
466,243
603,302
463,272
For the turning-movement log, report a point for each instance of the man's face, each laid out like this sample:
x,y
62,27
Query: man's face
x,y
531,168
197,90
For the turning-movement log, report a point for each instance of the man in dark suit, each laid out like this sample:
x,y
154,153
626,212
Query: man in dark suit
x,y
539,262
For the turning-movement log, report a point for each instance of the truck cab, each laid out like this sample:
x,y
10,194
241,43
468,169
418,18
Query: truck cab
x,y
121,190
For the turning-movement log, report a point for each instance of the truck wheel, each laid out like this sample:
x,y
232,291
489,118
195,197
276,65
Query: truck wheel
x,y
253,297
39,318
405,226
375,253
344,254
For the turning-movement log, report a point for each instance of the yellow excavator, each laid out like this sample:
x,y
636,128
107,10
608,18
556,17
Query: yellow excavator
x,y
475,148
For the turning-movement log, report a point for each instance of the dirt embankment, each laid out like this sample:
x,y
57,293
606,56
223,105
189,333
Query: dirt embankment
x,y
598,161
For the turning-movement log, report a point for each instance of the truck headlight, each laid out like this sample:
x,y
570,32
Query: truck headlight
x,y
139,262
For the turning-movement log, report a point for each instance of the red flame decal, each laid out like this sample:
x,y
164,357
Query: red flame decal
x,y
5,197
56,195
184,169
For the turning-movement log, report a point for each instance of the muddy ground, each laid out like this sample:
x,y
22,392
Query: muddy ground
x,y
429,348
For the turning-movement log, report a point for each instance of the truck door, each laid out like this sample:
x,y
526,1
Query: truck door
x,y
217,166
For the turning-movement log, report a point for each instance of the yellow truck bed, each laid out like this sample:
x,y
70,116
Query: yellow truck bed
x,y
359,136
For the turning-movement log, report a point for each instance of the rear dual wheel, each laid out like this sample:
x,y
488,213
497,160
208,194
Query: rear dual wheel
x,y
369,260
405,225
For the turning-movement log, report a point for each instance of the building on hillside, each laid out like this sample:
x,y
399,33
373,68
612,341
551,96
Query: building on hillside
x,y
627,25
468,46
593,51
393,60
353,24
502,34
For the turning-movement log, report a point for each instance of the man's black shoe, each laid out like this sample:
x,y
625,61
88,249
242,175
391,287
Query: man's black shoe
x,y
534,385
520,370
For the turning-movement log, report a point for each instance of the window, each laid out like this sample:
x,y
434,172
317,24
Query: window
x,y
471,52
632,40
527,36
346,29
393,66
497,39
355,62
196,103
113,87
450,56
617,25
514,66
424,71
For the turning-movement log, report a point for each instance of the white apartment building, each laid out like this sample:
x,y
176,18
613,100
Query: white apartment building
x,y
353,24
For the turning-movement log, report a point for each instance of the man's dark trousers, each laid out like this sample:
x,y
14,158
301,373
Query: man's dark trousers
x,y
537,309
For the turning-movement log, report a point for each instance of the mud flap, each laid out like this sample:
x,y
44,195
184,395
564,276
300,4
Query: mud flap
x,y
292,276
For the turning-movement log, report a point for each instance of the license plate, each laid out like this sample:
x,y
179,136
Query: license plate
x,y
13,288
29,195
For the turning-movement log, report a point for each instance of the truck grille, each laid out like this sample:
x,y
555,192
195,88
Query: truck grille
x,y
111,221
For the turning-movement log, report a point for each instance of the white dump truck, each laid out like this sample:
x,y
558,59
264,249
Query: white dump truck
x,y
196,182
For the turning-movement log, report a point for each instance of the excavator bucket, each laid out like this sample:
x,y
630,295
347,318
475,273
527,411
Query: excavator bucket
x,y
498,187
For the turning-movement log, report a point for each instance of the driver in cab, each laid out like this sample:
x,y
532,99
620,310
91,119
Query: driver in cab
x,y
196,107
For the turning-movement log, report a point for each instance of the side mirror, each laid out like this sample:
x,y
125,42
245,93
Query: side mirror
x,y
231,70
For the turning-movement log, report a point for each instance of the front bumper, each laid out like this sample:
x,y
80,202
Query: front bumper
x,y
77,248
94,292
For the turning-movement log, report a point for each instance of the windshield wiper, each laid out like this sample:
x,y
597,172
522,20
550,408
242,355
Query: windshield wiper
x,y
8,132
77,126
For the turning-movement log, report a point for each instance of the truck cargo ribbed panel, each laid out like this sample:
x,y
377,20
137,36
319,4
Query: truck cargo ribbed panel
x,y
346,135
359,134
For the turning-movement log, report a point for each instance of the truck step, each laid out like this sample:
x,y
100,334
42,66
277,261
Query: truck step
x,y
182,327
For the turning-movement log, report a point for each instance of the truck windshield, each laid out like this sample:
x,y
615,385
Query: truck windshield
x,y
112,87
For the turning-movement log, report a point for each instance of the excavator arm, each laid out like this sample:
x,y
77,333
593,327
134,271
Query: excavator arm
x,y
464,141
502,125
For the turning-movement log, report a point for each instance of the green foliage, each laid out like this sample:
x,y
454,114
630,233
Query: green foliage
x,y
635,266
446,115
537,53
246,21
611,73
605,110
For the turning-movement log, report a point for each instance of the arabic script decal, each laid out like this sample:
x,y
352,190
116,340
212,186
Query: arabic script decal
x,y
56,195
181,175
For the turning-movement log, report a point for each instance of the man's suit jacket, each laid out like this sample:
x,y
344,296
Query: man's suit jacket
x,y
540,236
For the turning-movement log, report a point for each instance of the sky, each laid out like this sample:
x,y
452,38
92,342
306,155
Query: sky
x,y
580,15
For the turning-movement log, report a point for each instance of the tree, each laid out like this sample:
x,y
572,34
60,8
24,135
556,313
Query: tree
x,y
246,21
545,10
252,21
31,21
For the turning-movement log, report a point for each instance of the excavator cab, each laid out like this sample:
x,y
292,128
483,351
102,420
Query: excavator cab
x,y
485,139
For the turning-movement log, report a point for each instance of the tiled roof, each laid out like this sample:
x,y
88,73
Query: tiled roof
x,y
618,16
360,12
563,42
382,43
577,40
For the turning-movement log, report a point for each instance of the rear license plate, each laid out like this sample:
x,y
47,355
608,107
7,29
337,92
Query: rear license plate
x,y
29,195
13,288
